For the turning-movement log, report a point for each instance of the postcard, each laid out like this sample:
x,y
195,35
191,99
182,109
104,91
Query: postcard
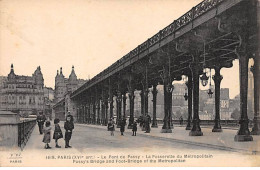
x,y
143,83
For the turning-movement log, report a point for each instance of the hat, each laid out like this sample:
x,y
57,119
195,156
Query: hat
x,y
56,120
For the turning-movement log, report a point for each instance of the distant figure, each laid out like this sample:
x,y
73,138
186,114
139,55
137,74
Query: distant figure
x,y
41,119
57,132
181,120
147,123
111,126
122,126
69,114
47,135
68,126
134,128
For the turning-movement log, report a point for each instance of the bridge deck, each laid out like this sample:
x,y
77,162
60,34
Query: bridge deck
x,y
83,139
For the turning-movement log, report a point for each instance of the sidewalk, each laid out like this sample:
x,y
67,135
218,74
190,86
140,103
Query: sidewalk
x,y
223,140
35,141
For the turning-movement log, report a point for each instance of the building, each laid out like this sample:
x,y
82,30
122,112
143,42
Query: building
x,y
207,105
64,85
48,101
22,94
63,88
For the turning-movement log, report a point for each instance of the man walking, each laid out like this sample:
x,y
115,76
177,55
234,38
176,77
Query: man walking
x,y
41,119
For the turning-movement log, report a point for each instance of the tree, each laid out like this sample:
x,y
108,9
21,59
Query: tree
x,y
235,114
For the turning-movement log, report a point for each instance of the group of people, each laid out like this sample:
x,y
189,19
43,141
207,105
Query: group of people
x,y
145,121
46,130
122,123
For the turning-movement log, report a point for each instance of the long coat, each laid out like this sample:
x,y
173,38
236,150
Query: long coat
x,y
57,132
47,135
68,126
134,127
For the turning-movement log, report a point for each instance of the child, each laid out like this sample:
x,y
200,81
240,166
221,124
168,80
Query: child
x,y
111,127
47,135
57,132
68,126
134,128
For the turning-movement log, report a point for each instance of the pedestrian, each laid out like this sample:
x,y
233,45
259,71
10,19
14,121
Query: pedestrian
x,y
57,132
147,124
69,114
134,128
47,135
68,126
181,120
111,127
122,127
40,120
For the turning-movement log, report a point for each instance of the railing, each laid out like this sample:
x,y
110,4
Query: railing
x,y
228,123
25,129
188,17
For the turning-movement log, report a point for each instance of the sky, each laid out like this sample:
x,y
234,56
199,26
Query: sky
x,y
91,35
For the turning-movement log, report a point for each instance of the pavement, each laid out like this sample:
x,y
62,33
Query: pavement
x,y
215,140
94,142
95,137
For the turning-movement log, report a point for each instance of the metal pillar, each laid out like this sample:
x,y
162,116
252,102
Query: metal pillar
x,y
189,86
94,111
98,112
102,112
196,130
217,80
167,109
111,103
119,109
124,105
131,102
155,91
243,133
146,93
142,102
256,73
106,113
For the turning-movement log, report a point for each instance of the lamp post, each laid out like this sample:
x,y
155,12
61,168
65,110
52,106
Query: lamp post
x,y
204,79
210,92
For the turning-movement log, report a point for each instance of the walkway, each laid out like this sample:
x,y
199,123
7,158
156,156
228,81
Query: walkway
x,y
92,142
222,141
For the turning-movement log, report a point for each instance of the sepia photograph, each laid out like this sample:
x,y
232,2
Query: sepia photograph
x,y
129,83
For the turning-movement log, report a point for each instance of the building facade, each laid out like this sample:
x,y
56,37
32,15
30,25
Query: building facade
x,y
63,88
48,101
22,94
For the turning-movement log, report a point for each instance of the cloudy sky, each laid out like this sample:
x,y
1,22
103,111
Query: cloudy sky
x,y
88,34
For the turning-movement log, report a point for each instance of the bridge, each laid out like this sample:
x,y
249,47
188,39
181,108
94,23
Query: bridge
x,y
209,36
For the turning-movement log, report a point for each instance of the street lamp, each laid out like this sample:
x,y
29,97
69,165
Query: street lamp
x,y
169,88
204,79
210,92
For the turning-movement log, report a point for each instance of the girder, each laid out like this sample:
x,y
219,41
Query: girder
x,y
204,19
